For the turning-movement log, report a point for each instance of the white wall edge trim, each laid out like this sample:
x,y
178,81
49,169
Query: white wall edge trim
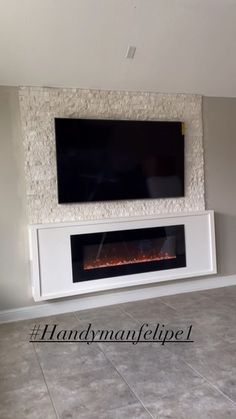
x,y
118,297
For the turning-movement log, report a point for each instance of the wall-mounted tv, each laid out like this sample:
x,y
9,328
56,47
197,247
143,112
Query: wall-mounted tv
x,y
104,160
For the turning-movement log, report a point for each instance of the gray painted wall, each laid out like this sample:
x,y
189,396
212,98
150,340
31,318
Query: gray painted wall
x,y
14,266
219,117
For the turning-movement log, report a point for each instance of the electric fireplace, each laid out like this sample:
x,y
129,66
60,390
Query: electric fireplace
x,y
127,252
94,256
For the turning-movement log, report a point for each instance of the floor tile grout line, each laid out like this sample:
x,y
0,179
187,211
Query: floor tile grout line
x,y
137,321
75,316
189,365
99,307
121,312
130,316
126,382
170,306
46,384
153,298
178,310
210,383
120,375
118,372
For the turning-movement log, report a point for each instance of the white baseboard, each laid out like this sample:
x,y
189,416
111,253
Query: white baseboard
x,y
115,297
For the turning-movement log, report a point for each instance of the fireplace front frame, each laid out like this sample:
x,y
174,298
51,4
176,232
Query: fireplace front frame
x,y
50,253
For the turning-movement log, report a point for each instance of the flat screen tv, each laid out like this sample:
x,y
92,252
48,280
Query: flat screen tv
x,y
104,160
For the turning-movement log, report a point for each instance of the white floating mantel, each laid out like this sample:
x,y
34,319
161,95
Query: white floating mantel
x,y
51,253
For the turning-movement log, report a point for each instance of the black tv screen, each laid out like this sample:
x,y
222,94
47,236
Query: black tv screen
x,y
104,160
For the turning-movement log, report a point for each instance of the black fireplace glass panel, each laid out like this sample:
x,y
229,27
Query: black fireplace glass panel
x,y
126,252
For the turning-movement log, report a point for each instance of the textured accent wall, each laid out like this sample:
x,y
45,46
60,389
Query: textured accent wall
x,y
39,107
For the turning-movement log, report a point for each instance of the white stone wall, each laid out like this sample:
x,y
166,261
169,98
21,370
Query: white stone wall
x,y
39,107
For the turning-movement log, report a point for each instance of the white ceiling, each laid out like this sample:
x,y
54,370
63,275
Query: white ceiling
x,y
186,46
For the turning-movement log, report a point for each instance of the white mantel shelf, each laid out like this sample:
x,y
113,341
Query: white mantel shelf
x,y
50,253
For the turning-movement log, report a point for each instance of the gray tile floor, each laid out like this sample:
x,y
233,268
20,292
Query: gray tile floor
x,y
117,380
